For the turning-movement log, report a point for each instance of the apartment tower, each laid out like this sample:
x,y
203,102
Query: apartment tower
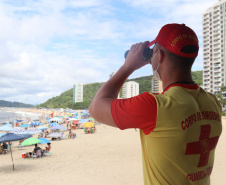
x,y
78,92
130,89
214,49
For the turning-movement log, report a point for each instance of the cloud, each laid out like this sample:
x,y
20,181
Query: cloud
x,y
47,46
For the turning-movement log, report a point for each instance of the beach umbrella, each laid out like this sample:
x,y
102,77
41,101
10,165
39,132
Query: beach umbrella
x,y
57,127
2,134
6,128
54,135
55,119
43,140
19,120
42,127
33,130
83,120
9,125
36,123
25,125
18,130
3,123
30,141
13,137
53,124
88,124
73,119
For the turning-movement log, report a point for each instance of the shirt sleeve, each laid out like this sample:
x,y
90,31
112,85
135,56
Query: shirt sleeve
x,y
136,112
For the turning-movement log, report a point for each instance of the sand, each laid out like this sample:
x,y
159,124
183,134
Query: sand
x,y
108,157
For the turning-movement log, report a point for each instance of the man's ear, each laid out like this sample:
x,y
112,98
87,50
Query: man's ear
x,y
161,55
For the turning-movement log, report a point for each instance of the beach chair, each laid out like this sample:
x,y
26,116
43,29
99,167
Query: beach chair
x,y
65,137
8,149
4,151
37,154
49,152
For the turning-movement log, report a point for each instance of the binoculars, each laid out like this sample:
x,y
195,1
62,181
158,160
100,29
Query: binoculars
x,y
147,53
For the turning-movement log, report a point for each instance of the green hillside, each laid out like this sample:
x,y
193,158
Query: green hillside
x,y
4,103
65,100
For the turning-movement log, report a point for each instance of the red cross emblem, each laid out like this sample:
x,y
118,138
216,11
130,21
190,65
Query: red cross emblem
x,y
203,146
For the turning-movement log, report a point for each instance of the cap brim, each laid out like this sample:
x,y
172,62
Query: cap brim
x,y
151,43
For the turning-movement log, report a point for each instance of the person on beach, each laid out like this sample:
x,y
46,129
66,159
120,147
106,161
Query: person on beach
x,y
179,128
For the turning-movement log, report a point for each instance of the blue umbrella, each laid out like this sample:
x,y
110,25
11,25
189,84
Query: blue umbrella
x,y
43,140
36,123
25,125
3,123
57,127
83,120
6,128
53,124
13,137
2,134
8,124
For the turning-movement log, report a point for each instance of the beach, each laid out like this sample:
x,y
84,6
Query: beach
x,y
108,157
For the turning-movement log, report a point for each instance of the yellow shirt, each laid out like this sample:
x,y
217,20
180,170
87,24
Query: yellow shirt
x,y
180,149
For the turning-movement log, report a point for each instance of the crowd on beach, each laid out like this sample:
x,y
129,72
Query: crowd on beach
x,y
50,127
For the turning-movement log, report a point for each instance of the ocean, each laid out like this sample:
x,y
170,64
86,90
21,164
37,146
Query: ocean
x,y
8,115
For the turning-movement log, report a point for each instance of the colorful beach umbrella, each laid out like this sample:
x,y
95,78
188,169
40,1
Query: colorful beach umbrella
x,y
42,127
43,140
13,137
36,123
6,128
53,124
25,125
30,141
83,120
57,127
33,130
88,124
54,135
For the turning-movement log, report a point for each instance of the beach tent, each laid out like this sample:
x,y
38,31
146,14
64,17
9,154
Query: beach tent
x,y
13,137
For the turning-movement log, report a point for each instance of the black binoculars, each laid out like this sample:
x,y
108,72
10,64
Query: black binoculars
x,y
147,53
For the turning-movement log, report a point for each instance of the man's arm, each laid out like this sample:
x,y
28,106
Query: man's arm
x,y
100,108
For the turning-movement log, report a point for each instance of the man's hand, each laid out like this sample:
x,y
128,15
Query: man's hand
x,y
134,59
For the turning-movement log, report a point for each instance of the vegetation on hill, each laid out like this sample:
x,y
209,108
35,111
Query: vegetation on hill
x,y
65,100
4,103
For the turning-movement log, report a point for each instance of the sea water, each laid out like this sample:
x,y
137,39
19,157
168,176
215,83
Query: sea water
x,y
6,116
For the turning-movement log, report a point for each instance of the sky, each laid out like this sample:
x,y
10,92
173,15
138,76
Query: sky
x,y
48,45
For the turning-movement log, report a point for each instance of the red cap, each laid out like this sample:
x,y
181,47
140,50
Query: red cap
x,y
174,37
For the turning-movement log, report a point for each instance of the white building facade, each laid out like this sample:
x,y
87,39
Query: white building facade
x,y
214,49
156,86
78,92
130,89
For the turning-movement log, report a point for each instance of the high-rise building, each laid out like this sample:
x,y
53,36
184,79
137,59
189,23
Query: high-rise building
x,y
156,86
130,89
78,92
214,48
